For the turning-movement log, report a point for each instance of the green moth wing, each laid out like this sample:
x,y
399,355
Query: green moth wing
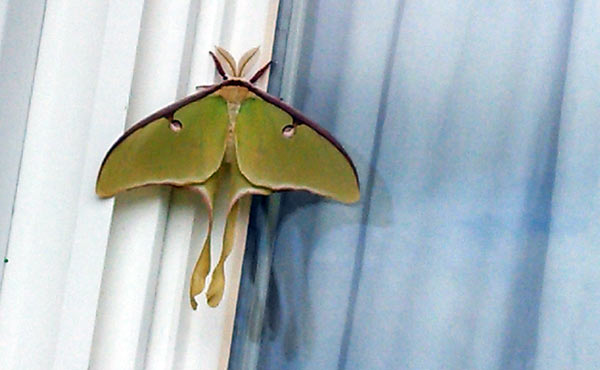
x,y
181,144
280,149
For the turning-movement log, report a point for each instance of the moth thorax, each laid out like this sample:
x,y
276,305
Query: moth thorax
x,y
234,94
233,109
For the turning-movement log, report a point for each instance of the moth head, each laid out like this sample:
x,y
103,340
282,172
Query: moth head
x,y
229,68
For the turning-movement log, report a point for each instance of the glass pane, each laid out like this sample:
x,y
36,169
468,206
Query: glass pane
x,y
451,112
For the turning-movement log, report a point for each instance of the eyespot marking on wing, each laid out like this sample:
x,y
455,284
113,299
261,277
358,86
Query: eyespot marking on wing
x,y
175,125
288,131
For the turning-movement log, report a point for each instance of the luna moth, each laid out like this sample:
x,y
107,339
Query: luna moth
x,y
231,132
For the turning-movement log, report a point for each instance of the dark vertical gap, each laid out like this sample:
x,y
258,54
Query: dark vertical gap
x,y
360,248
280,44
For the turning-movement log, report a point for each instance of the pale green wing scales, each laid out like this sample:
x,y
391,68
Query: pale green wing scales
x,y
280,152
182,148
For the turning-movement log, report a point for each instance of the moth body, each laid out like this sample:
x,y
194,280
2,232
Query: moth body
x,y
231,136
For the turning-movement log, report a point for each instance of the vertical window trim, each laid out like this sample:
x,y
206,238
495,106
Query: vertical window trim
x,y
19,45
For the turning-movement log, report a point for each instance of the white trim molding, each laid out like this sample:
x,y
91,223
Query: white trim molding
x,y
103,284
20,29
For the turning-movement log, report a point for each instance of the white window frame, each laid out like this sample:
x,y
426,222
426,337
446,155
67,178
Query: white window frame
x,y
20,28
100,284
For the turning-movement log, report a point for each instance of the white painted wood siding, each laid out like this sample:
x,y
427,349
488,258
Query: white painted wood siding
x,y
103,284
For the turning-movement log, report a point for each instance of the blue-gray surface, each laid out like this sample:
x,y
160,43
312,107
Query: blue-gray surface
x,y
475,128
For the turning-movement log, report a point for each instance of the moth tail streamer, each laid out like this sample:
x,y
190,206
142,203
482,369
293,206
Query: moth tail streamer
x,y
214,294
201,269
